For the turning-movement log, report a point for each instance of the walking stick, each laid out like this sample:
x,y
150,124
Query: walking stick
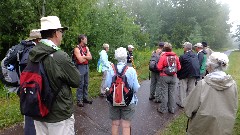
x,y
133,65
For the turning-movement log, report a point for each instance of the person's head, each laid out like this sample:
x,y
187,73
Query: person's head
x,y
130,48
198,47
34,36
121,55
217,62
204,44
52,29
187,46
160,45
82,39
167,47
106,47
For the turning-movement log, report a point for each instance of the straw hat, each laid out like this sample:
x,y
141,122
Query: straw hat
x,y
34,34
51,23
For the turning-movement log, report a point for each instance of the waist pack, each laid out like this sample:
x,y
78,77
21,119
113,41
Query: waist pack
x,y
36,96
120,94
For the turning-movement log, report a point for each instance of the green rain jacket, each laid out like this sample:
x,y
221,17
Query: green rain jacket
x,y
62,74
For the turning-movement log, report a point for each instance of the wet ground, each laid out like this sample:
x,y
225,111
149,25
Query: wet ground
x,y
93,119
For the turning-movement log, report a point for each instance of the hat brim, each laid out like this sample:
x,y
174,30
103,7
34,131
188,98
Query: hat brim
x,y
63,28
29,39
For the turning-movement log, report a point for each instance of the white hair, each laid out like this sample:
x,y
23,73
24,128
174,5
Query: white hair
x,y
121,55
218,61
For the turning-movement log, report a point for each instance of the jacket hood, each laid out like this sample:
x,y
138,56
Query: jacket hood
x,y
40,51
219,80
169,53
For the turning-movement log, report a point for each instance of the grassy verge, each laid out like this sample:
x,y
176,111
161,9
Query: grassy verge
x,y
178,126
9,110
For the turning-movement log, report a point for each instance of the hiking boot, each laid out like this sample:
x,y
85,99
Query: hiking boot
x,y
160,111
80,103
151,98
87,101
156,101
181,106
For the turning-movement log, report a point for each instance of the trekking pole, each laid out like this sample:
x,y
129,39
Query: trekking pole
x,y
187,126
149,75
134,66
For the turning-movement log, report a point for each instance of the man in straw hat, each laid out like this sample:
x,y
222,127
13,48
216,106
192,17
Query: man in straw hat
x,y
62,74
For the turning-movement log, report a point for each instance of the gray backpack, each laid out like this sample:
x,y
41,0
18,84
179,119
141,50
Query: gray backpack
x,y
154,61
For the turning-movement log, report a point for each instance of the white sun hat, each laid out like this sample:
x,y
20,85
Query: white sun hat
x,y
130,46
34,34
51,23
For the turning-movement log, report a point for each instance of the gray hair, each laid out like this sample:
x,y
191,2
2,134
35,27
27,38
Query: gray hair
x,y
218,61
187,45
121,55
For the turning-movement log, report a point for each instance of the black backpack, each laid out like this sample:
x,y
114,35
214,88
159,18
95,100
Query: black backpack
x,y
154,61
120,94
23,56
12,55
36,96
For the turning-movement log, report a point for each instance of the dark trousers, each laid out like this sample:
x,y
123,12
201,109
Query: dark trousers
x,y
29,128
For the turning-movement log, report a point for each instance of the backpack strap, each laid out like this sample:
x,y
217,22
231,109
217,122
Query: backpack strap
x,y
114,67
124,70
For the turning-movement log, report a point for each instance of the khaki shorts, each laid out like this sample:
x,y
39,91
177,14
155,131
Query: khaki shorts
x,y
118,113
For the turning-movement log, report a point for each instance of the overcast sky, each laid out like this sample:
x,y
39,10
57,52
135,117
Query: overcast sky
x,y
234,6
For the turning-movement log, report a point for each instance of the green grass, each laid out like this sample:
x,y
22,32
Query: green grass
x,y
178,126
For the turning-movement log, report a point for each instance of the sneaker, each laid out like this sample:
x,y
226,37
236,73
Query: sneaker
x,y
80,103
156,101
151,98
87,101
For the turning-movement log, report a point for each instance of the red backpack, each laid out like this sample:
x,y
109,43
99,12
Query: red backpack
x,y
120,94
36,96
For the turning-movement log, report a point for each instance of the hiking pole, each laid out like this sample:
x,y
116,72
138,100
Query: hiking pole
x,y
134,66
187,125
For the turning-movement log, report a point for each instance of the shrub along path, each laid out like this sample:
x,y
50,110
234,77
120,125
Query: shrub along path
x,y
93,119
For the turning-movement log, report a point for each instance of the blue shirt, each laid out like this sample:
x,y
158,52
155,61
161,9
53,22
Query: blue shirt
x,y
104,60
131,79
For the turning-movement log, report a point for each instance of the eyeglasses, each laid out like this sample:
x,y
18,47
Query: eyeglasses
x,y
61,31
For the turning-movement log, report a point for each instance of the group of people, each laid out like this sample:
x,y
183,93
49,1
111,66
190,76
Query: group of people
x,y
64,73
207,94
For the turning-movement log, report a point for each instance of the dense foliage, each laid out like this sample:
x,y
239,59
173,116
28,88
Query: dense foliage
x,y
118,22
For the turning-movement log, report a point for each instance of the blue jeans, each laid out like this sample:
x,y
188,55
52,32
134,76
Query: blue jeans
x,y
82,91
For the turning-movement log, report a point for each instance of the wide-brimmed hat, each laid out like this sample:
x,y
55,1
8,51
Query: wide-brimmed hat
x,y
34,34
51,23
